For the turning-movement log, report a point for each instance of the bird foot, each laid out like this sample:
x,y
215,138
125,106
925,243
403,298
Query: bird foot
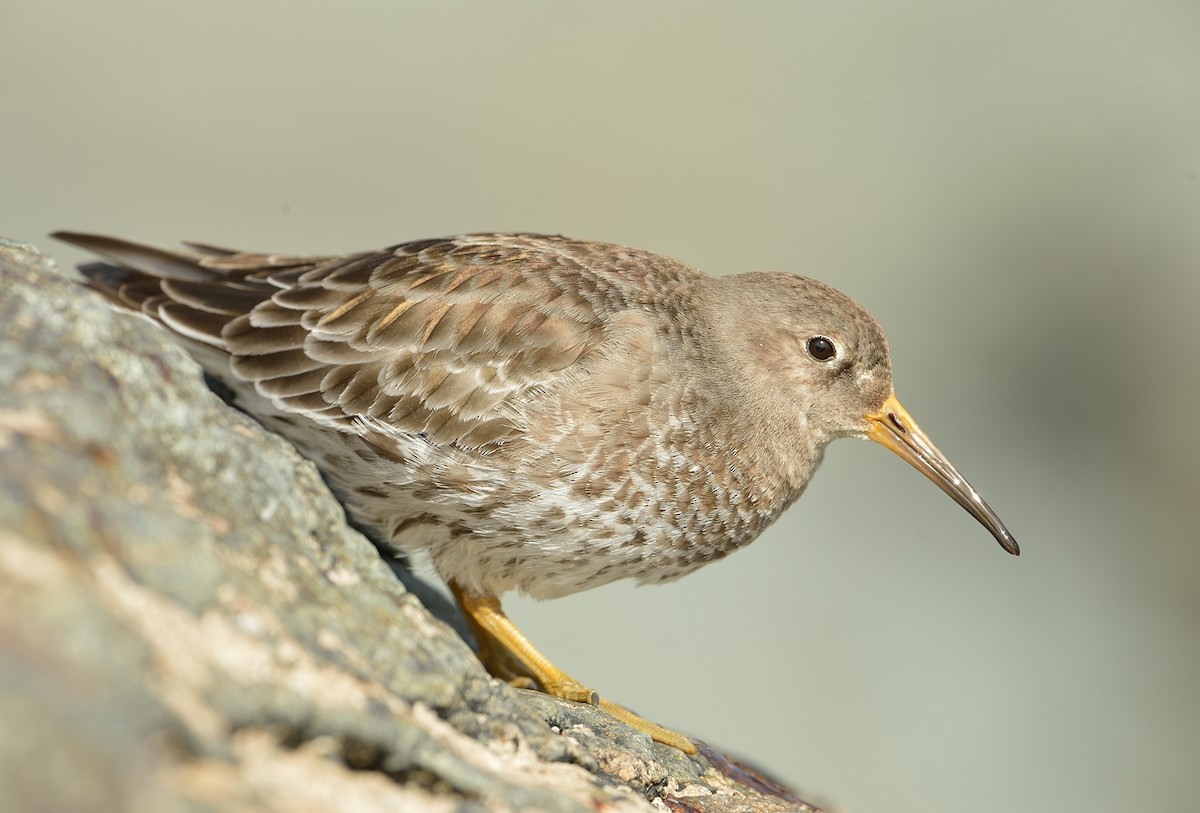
x,y
653,730
507,654
573,690
568,688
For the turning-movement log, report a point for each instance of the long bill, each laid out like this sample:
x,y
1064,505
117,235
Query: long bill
x,y
894,428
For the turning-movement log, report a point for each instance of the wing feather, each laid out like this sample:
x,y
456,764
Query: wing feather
x,y
446,338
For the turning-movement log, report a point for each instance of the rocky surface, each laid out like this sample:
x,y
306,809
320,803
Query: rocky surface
x,y
187,623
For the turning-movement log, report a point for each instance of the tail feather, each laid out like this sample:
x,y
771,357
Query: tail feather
x,y
157,262
210,250
176,289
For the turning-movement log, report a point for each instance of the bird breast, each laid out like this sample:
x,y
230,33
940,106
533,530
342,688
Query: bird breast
x,y
617,471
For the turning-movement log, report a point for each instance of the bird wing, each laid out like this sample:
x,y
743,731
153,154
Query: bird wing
x,y
438,337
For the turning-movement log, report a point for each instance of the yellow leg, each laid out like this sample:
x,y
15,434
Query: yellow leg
x,y
509,655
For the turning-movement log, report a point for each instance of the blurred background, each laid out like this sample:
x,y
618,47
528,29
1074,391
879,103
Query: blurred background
x,y
1012,190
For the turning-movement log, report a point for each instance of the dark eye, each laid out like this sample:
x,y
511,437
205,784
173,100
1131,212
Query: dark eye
x,y
820,348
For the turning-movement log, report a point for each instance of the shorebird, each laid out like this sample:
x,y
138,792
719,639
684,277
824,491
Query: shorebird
x,y
537,413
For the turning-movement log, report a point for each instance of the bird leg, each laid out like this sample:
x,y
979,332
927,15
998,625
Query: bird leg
x,y
507,654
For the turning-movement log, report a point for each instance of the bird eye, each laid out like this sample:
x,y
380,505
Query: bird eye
x,y
820,348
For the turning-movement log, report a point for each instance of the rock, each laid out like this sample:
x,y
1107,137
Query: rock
x,y
187,622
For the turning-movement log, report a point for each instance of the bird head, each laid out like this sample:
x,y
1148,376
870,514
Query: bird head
x,y
830,359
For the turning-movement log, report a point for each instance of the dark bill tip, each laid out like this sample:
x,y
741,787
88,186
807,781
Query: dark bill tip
x,y
894,428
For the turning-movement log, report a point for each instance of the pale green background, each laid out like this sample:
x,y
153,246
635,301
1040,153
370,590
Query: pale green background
x,y
1011,189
